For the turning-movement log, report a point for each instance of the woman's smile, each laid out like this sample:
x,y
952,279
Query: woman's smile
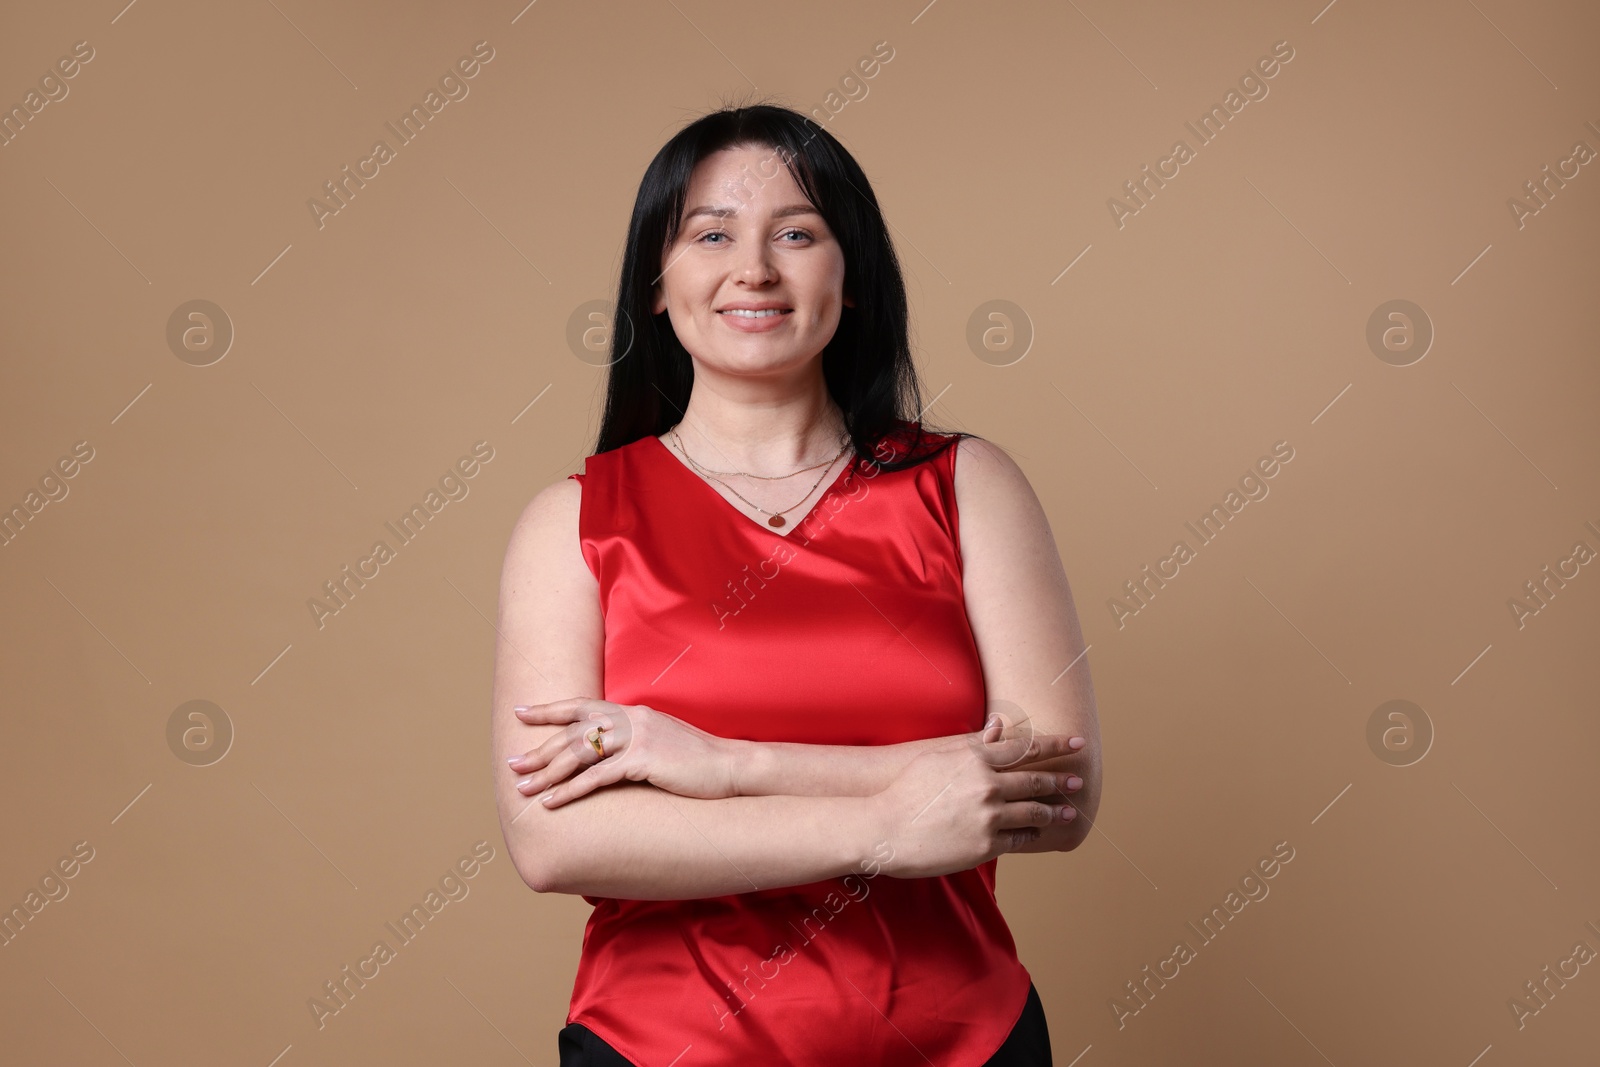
x,y
755,318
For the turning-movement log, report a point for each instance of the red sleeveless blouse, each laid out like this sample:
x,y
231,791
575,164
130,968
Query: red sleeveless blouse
x,y
850,630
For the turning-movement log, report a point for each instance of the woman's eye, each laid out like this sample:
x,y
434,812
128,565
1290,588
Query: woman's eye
x,y
802,234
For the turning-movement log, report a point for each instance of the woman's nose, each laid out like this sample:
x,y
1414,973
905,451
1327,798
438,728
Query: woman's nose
x,y
756,263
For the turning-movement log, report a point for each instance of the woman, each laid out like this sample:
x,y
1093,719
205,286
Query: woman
x,y
841,671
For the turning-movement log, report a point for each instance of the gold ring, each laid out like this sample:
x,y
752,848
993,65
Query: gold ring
x,y
594,739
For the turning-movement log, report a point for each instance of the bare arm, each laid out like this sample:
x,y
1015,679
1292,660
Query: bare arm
x,y
1024,621
631,840
762,768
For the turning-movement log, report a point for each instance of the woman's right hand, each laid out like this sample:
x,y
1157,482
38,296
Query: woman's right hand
x,y
955,807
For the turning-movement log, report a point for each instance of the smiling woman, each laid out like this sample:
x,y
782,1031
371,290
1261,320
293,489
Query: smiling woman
x,y
709,787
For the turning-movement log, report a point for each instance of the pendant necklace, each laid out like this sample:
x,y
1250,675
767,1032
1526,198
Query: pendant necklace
x,y
775,519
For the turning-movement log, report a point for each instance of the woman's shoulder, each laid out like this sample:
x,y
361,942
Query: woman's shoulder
x,y
909,442
982,452
544,540
558,510
615,459
986,478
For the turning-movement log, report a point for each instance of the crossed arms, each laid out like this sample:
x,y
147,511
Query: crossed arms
x,y
804,813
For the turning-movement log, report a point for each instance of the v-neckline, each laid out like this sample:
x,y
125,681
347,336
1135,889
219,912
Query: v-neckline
x,y
760,525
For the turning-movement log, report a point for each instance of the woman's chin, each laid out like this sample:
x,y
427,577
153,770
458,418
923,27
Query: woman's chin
x,y
755,361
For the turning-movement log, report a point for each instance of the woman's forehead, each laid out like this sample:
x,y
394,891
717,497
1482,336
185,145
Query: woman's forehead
x,y
741,176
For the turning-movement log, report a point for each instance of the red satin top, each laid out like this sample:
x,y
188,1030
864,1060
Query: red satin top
x,y
849,630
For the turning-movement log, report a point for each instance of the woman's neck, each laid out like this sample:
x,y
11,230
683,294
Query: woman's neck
x,y
762,437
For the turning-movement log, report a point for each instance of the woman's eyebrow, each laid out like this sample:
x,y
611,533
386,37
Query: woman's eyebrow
x,y
724,210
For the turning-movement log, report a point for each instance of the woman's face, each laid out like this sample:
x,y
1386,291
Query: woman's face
x,y
750,240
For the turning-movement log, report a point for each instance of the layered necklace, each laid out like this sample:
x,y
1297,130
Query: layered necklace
x,y
775,519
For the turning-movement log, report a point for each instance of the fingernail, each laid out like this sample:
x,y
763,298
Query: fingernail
x,y
1076,742
547,798
1074,782
513,760
522,707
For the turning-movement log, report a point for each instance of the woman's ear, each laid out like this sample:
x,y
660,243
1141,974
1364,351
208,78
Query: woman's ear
x,y
658,300
849,301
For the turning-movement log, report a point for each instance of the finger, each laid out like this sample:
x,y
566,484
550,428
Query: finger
x,y
1000,751
561,755
572,743
533,759
1012,840
993,729
1027,784
556,711
1022,813
557,770
560,769
600,774
580,746
564,711
548,750
1051,746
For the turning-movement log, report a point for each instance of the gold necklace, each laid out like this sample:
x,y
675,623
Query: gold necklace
x,y
844,439
776,518
763,477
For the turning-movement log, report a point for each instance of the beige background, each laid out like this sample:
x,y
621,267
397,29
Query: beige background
x,y
1229,314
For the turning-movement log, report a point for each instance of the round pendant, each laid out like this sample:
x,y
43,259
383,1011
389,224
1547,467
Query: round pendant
x,y
775,521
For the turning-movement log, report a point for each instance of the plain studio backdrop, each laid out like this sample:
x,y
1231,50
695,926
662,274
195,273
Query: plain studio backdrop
x,y
230,370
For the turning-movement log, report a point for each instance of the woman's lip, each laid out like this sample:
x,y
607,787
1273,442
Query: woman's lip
x,y
756,324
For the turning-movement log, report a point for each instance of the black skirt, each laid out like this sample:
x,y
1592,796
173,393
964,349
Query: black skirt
x,y
1028,1044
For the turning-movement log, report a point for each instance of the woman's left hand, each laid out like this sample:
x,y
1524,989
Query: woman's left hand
x,y
641,745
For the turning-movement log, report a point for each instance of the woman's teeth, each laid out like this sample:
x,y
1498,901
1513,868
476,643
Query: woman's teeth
x,y
743,314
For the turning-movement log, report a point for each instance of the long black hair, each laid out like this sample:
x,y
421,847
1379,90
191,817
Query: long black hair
x,y
867,364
